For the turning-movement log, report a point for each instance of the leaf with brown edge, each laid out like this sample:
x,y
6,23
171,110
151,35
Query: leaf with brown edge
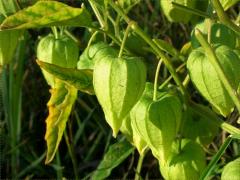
x,y
79,78
45,14
60,105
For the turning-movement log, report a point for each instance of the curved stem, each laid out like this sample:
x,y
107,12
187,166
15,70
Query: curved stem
x,y
223,17
156,80
218,67
92,38
149,41
124,40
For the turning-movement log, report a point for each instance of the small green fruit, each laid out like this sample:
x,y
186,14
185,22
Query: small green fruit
x,y
207,81
61,51
187,164
118,84
132,135
94,53
176,15
157,122
231,170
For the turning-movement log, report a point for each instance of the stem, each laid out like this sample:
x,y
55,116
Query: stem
x,y
58,162
170,77
223,17
109,34
72,155
55,32
207,171
139,166
124,40
91,39
149,41
209,29
97,13
156,80
191,10
217,66
74,38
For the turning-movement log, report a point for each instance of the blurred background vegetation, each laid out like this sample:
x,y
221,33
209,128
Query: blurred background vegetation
x,y
23,110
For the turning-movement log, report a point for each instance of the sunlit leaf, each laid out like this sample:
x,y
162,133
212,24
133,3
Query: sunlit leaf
x,y
116,154
60,104
80,79
45,14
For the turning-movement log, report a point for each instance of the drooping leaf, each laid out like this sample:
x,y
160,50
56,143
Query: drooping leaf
x,y
80,79
116,154
45,14
60,105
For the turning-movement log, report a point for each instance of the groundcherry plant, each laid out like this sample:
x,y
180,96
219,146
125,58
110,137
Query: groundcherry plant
x,y
161,115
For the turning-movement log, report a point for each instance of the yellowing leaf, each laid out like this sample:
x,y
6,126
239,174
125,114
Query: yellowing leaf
x,y
79,78
47,13
59,105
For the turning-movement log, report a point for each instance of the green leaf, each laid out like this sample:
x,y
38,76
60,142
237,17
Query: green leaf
x,y
116,154
59,106
45,14
80,79
165,46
